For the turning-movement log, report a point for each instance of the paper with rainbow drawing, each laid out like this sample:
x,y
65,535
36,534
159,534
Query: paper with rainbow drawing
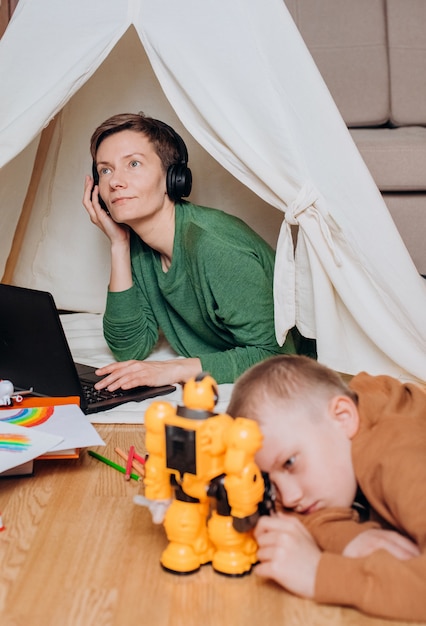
x,y
67,424
19,444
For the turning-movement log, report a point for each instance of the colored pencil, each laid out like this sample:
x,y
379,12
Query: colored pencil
x,y
138,467
129,463
139,458
119,468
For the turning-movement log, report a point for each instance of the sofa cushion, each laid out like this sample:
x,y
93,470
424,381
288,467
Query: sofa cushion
x,y
408,211
396,157
407,55
347,40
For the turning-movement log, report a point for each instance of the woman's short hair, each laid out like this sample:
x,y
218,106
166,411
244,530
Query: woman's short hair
x,y
159,134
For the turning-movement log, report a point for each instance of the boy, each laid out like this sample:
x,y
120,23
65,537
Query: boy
x,y
339,455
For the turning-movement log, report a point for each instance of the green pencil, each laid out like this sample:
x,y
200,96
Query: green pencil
x,y
112,464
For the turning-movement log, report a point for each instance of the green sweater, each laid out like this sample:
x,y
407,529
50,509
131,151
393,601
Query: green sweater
x,y
215,302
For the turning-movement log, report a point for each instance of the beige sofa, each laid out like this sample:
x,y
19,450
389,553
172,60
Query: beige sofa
x,y
372,55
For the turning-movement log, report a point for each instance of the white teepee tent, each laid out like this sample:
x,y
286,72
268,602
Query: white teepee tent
x,y
238,78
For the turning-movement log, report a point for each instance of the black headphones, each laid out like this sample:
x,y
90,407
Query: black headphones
x,y
179,176
95,177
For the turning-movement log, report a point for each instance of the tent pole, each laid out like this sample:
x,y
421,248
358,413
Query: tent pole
x,y
21,227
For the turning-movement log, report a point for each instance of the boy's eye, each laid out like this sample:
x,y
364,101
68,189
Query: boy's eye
x,y
289,464
134,163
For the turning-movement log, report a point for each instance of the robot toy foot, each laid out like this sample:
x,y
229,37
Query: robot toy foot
x,y
182,559
232,564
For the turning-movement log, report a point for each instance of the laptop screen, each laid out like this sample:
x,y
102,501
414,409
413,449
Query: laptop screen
x,y
33,348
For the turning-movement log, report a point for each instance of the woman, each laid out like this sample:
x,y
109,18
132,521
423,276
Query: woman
x,y
200,275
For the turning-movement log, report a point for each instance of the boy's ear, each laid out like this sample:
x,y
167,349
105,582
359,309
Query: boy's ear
x,y
345,412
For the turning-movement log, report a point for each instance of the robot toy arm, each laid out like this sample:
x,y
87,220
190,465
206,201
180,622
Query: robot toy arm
x,y
157,508
158,490
244,483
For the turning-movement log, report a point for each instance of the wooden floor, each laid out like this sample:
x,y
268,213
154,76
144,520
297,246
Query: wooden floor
x,y
78,552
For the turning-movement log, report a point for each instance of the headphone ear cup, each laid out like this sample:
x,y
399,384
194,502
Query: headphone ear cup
x,y
95,177
178,181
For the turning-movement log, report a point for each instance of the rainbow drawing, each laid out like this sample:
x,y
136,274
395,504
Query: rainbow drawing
x,y
30,416
12,442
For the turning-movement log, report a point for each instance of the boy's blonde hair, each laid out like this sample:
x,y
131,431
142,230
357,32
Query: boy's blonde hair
x,y
284,377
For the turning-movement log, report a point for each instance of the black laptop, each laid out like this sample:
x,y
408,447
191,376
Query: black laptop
x,y
34,353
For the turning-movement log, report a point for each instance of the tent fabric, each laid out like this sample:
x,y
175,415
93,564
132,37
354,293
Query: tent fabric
x,y
239,79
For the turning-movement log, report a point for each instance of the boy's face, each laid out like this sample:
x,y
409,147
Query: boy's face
x,y
308,456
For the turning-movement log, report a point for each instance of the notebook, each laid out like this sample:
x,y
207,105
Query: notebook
x,y
34,353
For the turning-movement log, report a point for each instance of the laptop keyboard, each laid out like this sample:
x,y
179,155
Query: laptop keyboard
x,y
93,395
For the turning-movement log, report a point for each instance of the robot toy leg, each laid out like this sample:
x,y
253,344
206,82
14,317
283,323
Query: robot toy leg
x,y
186,529
235,553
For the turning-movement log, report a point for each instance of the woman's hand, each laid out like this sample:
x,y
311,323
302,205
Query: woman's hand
x,y
130,374
116,233
287,553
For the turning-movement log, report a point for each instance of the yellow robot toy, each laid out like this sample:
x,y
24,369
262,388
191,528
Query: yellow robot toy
x,y
201,481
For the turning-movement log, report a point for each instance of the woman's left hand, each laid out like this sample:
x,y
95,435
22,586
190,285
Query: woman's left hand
x,y
130,374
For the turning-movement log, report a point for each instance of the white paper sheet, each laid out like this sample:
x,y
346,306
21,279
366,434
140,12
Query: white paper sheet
x,y
19,444
67,422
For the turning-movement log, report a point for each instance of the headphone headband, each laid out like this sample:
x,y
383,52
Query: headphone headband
x,y
183,152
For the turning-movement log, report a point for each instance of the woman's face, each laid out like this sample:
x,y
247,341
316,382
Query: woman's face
x,y
132,181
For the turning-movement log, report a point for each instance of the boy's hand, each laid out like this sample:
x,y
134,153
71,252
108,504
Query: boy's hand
x,y
287,553
379,539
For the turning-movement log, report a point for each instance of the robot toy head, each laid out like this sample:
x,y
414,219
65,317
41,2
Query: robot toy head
x,y
200,393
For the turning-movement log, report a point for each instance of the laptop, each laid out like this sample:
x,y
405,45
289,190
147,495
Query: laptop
x,y
34,354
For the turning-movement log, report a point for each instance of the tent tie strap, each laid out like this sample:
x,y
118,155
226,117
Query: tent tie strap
x,y
309,201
